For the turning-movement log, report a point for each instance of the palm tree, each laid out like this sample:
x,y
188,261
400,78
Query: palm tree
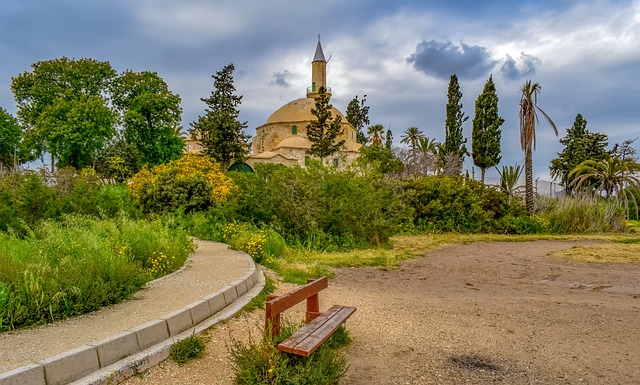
x,y
509,177
412,136
528,121
613,176
375,133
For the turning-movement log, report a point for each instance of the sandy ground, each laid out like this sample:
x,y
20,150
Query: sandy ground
x,y
211,267
483,313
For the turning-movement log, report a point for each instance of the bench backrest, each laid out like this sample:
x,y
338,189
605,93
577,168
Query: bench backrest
x,y
275,306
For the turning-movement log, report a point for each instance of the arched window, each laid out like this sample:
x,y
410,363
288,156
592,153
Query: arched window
x,y
294,130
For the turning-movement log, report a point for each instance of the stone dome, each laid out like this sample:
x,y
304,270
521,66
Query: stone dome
x,y
298,110
296,141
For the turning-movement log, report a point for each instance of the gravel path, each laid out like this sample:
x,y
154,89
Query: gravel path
x,y
211,267
482,313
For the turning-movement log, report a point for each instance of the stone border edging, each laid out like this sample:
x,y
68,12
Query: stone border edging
x,y
118,357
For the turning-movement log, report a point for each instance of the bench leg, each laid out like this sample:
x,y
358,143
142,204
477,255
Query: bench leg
x,y
313,308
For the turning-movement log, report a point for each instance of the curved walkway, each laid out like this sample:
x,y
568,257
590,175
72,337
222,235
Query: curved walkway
x,y
214,284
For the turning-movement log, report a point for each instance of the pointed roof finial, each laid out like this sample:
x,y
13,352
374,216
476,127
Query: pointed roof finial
x,y
319,56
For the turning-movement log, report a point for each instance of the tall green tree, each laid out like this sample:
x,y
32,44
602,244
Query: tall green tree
x,y
358,116
453,149
579,145
9,139
63,107
151,116
388,142
486,132
323,133
528,120
219,130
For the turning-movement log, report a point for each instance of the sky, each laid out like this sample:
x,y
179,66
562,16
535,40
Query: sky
x,y
585,54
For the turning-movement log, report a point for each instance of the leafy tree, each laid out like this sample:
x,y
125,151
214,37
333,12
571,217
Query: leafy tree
x,y
528,119
219,130
9,138
579,145
151,116
358,116
624,150
454,142
325,130
380,159
64,110
374,134
486,133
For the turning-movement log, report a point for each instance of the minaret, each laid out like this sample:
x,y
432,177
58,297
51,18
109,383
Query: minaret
x,y
318,73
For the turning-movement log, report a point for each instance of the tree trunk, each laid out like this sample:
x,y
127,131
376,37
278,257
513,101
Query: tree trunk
x,y
528,179
482,175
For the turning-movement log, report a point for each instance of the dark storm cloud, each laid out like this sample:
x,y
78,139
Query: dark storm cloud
x,y
511,70
444,59
282,78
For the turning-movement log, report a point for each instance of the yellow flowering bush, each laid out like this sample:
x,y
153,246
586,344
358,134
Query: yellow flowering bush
x,y
262,245
193,182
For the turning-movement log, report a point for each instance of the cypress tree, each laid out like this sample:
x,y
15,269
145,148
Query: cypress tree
x,y
325,130
486,132
454,143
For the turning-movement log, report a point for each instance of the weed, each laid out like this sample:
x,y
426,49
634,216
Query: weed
x,y
188,349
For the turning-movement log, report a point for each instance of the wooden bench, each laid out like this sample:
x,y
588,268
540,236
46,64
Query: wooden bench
x,y
319,326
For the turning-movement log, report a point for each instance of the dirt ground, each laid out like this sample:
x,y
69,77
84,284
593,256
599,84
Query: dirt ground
x,y
482,313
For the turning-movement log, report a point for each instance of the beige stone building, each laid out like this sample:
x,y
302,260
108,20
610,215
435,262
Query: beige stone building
x,y
283,137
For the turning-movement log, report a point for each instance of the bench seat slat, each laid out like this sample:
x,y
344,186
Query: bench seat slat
x,y
308,338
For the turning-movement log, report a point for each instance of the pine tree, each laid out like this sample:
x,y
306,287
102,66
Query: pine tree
x,y
453,148
358,116
219,130
486,133
579,145
325,130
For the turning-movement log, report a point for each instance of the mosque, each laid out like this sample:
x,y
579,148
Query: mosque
x,y
283,137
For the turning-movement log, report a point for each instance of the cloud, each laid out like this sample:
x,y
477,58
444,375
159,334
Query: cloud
x,y
511,70
444,59
281,78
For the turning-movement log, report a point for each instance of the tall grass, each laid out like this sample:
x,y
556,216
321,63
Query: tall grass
x,y
76,265
581,215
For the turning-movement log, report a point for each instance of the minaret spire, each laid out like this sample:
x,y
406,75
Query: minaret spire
x,y
318,72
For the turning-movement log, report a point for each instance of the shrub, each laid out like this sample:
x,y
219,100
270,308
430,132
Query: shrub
x,y
262,363
191,183
187,349
261,244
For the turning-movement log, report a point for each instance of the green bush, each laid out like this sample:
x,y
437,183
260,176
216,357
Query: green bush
x,y
454,204
319,207
262,363
76,265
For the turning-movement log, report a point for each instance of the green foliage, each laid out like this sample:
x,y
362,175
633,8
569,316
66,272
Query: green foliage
x,y
454,142
263,245
259,301
379,160
64,110
579,145
509,177
188,349
29,198
358,116
79,264
450,204
151,116
10,132
581,214
190,183
486,133
257,363
374,134
325,130
320,207
219,130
